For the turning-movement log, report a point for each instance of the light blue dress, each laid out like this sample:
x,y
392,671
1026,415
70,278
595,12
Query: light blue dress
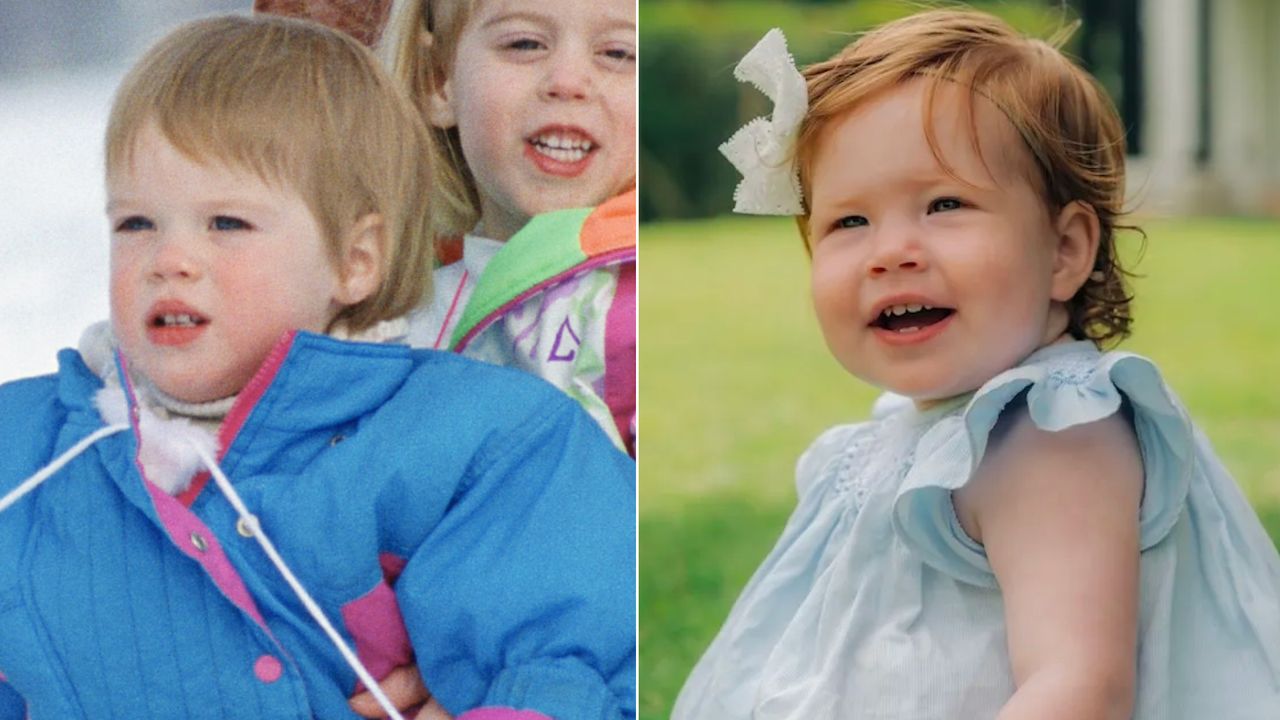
x,y
876,604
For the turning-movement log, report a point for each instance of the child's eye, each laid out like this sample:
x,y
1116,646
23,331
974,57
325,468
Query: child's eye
x,y
134,223
524,44
226,222
944,204
619,55
849,221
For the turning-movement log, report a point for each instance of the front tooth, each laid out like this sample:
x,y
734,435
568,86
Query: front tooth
x,y
564,154
899,309
914,308
169,319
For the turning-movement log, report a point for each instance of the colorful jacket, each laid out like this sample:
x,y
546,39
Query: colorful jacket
x,y
559,300
477,503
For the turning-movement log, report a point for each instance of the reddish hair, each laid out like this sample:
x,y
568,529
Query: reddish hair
x,y
1068,125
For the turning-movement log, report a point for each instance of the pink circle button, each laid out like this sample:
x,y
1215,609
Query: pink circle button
x,y
268,669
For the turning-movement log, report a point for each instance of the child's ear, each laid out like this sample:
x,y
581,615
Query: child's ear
x,y
360,267
1078,232
439,109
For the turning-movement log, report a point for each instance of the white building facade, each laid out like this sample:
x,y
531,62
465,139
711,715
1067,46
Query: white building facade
x,y
1211,108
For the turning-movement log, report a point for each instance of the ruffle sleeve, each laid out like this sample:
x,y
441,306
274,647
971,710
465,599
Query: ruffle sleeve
x,y
1065,388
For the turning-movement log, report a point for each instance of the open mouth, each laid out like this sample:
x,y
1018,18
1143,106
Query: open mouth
x,y
176,320
562,144
910,318
175,324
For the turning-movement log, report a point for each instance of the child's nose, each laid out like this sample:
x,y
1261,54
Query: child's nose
x,y
173,259
896,249
904,264
568,77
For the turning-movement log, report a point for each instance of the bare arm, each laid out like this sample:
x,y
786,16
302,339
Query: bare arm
x,y
1058,515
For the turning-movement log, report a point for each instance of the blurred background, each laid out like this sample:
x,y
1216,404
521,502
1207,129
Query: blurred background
x,y
60,61
735,378
1194,81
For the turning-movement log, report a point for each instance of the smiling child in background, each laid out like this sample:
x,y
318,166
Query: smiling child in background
x,y
533,109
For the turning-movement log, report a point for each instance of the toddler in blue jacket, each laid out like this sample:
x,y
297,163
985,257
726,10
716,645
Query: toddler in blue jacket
x,y
238,498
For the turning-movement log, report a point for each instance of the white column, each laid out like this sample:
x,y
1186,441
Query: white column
x,y
1245,98
1270,73
1160,177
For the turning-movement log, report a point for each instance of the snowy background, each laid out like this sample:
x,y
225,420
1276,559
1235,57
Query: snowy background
x,y
60,61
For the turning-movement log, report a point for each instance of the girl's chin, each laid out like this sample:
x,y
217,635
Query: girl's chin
x,y
187,392
931,398
930,403
938,387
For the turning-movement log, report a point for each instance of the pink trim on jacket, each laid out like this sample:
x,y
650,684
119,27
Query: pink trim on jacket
x,y
586,266
375,624
184,528
245,402
392,566
620,356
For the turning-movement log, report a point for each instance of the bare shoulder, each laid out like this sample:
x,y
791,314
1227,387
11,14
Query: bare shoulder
x,y
1027,467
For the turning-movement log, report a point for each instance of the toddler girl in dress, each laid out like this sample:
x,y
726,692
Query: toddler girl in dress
x,y
1041,532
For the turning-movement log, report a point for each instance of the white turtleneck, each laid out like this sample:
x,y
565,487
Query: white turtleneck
x,y
165,415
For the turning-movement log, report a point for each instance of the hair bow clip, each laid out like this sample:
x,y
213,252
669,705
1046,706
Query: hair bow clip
x,y
763,150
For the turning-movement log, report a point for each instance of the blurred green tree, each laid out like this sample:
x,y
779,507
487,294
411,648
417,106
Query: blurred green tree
x,y
690,102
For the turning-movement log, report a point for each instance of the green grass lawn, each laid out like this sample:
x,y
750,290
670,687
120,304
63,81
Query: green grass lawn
x,y
736,382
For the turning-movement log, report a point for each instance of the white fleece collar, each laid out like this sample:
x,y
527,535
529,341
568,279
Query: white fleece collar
x,y
169,429
166,446
165,443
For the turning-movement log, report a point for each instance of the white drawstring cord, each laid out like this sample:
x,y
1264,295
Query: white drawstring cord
x,y
47,471
251,521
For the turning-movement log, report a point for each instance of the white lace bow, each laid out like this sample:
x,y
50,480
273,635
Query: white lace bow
x,y
763,150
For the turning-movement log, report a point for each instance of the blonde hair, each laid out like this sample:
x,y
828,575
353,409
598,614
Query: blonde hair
x,y
301,106
419,45
1068,125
